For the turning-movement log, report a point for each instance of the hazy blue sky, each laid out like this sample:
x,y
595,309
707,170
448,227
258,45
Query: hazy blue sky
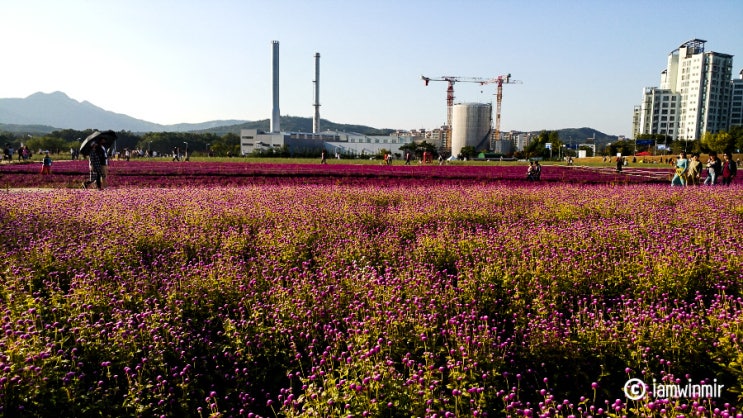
x,y
582,63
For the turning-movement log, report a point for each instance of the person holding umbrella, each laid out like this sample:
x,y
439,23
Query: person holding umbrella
x,y
103,157
93,147
94,164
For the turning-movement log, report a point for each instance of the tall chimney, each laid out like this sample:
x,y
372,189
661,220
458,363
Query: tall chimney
x,y
275,113
316,120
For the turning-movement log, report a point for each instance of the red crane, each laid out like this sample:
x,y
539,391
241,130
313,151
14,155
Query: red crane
x,y
500,81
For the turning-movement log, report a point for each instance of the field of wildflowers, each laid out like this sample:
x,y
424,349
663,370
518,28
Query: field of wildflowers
x,y
164,174
402,296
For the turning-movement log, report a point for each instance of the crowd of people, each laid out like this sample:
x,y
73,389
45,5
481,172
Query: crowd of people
x,y
689,170
23,153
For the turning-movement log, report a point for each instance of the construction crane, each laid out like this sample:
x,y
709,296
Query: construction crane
x,y
500,81
450,94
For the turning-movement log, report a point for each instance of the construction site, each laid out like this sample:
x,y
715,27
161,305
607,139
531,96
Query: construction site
x,y
467,125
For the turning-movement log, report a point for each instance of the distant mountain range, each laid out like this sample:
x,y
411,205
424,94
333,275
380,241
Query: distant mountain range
x,y
42,113
59,111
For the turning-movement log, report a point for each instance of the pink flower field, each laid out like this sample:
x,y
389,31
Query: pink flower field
x,y
162,174
196,290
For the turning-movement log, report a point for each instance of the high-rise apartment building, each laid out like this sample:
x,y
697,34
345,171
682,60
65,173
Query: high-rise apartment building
x,y
736,102
658,113
694,96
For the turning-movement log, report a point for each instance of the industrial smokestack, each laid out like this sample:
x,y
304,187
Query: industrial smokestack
x,y
275,113
316,120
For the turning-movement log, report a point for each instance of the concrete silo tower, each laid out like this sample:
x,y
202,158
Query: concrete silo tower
x,y
471,124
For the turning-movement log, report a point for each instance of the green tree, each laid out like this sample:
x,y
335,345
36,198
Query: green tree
x,y
468,152
48,143
226,145
8,139
718,142
418,149
411,148
737,133
626,147
538,145
165,142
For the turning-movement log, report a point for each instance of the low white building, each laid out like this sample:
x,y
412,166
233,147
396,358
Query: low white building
x,y
302,143
254,140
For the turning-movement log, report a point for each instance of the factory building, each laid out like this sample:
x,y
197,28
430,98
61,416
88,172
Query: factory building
x,y
313,143
296,143
304,143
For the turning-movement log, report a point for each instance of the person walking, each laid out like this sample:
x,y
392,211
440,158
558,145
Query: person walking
x,y
94,164
530,171
729,169
682,166
46,164
714,169
710,170
103,157
694,170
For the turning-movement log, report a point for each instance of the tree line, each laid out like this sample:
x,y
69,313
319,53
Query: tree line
x,y
720,142
161,142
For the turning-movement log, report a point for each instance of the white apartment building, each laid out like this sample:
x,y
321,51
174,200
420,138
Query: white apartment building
x,y
694,96
736,102
658,113
520,140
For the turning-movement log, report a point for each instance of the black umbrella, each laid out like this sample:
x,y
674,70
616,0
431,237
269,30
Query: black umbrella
x,y
103,138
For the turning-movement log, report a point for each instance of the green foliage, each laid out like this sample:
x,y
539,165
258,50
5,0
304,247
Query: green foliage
x,y
538,145
418,149
165,142
719,142
468,152
45,143
737,133
626,147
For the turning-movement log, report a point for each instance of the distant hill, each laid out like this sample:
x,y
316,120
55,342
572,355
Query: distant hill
x,y
34,130
60,111
582,135
42,113
297,124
